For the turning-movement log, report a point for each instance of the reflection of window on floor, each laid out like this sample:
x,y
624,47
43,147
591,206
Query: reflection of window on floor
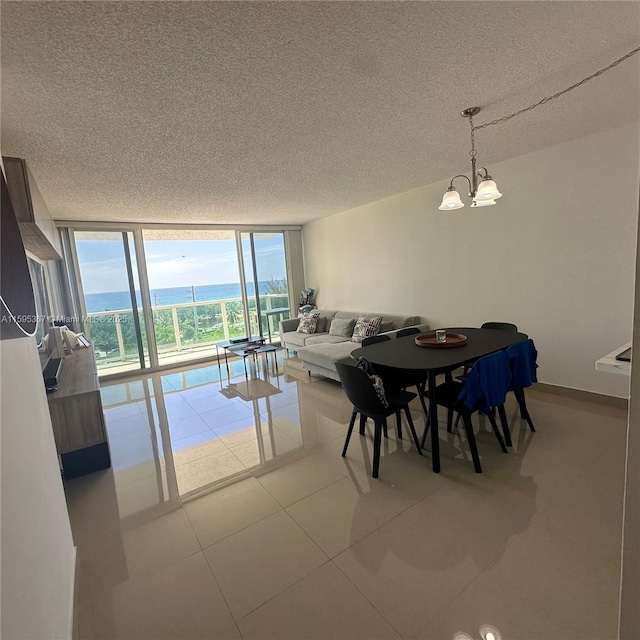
x,y
188,430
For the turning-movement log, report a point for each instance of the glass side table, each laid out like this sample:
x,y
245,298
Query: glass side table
x,y
240,344
255,351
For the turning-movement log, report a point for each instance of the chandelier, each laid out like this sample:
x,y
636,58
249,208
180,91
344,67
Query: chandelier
x,y
482,189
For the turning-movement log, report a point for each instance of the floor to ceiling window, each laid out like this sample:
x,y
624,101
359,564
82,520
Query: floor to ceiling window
x,y
194,285
110,285
265,263
157,297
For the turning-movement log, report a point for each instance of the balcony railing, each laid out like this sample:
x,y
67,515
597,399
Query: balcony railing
x,y
180,327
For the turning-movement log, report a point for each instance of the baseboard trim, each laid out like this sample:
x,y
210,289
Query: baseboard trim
x,y
579,394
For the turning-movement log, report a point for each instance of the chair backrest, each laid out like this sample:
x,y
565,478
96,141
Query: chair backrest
x,y
488,382
374,339
523,362
358,387
407,332
503,326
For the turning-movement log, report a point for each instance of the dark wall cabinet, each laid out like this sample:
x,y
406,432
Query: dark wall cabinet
x,y
38,231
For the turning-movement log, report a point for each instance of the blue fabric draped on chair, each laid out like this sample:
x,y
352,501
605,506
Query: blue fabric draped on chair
x,y
487,383
484,388
523,362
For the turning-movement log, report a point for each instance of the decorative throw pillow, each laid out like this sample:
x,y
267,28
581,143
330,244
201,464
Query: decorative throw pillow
x,y
365,327
308,323
342,327
322,324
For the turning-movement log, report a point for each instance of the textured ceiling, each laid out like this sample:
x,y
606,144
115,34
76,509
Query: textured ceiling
x,y
265,113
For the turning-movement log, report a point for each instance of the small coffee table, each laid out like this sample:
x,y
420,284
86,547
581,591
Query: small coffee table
x,y
253,350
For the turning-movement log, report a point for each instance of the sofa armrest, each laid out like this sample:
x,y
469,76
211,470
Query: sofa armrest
x,y
291,324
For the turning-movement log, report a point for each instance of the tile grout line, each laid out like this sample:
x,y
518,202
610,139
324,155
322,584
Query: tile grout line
x,y
224,597
355,586
280,508
327,560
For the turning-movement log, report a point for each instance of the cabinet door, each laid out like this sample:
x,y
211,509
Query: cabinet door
x,y
78,422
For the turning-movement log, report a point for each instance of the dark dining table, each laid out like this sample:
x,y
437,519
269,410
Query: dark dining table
x,y
404,354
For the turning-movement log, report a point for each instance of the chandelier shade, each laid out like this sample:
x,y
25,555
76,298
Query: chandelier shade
x,y
488,191
450,201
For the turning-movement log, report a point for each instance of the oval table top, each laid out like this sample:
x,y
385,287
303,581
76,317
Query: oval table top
x,y
404,353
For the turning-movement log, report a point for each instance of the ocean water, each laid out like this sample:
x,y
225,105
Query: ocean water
x,y
174,295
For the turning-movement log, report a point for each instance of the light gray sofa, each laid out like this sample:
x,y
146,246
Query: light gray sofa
x,y
319,351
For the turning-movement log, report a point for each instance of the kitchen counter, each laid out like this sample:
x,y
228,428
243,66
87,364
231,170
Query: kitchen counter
x,y
609,364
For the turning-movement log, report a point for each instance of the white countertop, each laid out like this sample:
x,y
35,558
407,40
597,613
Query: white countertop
x,y
609,363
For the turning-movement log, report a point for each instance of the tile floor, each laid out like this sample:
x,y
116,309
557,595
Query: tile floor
x,y
296,542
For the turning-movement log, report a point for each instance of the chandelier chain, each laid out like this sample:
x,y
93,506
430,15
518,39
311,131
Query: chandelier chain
x,y
549,98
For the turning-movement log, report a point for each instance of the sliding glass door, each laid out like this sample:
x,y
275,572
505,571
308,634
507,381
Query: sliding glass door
x,y
265,274
195,291
110,286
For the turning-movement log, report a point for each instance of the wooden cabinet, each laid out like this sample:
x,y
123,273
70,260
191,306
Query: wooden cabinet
x,y
77,418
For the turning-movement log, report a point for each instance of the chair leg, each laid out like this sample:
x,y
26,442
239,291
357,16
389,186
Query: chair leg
x,y
505,426
425,432
449,420
363,422
457,422
421,387
384,429
349,430
399,424
524,412
376,448
412,429
494,426
471,439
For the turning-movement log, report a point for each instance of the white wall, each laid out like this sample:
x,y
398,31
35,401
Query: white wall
x,y
38,555
556,255
630,586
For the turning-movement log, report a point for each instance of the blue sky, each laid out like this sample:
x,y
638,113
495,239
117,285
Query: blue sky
x,y
176,263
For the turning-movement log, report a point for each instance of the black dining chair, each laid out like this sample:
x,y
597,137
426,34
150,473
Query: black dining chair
x,y
408,331
395,379
358,388
365,342
374,339
485,388
499,326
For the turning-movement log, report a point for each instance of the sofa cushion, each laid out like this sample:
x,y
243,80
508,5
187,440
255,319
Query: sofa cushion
x,y
308,323
325,338
324,356
294,339
365,327
342,327
386,326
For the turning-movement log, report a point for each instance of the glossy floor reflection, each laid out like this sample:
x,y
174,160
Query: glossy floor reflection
x,y
229,513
